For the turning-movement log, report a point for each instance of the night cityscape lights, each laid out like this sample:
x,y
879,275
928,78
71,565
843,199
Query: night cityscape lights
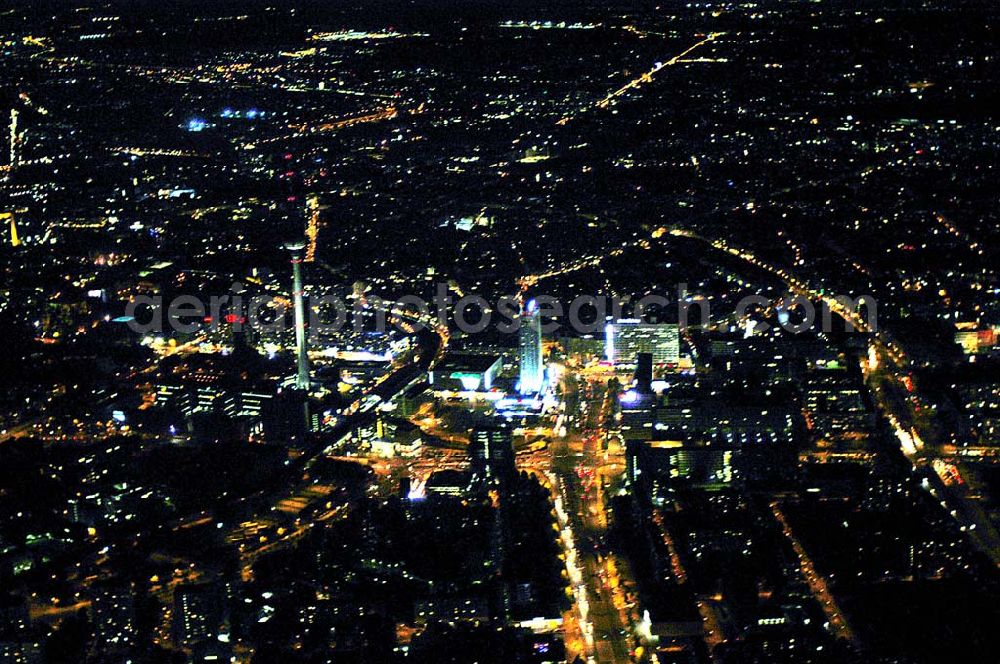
x,y
499,332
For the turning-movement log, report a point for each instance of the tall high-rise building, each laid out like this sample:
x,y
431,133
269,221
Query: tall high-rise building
x,y
625,339
295,247
197,613
644,373
112,613
530,337
491,449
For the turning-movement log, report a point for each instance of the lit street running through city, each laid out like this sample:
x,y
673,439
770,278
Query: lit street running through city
x,y
815,581
579,471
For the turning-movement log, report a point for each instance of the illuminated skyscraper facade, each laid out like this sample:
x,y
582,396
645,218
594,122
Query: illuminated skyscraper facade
x,y
625,339
530,332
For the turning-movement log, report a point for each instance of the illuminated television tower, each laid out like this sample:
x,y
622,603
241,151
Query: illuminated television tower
x,y
295,247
